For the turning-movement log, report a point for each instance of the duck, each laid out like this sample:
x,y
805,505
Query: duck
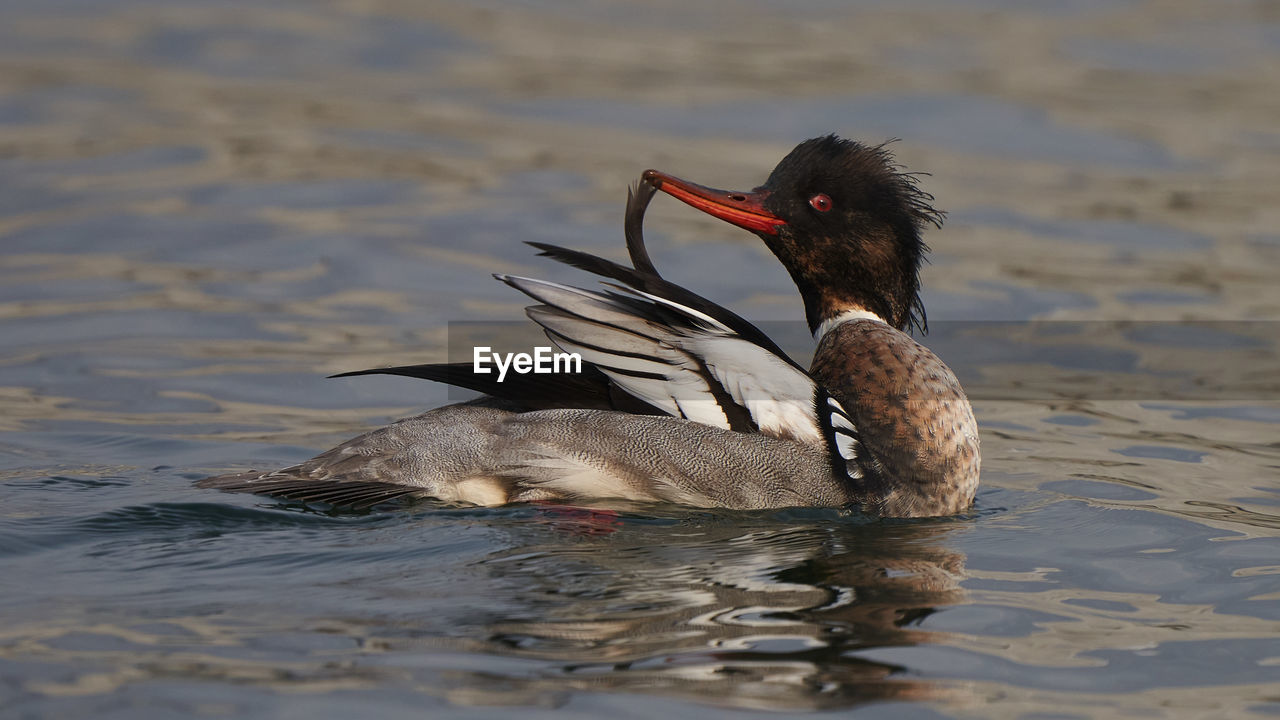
x,y
679,399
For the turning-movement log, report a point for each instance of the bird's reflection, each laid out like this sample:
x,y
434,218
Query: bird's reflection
x,y
770,613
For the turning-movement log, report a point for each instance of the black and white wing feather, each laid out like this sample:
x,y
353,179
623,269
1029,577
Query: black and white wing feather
x,y
848,456
678,359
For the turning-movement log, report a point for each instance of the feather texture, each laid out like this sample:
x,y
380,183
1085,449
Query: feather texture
x,y
676,358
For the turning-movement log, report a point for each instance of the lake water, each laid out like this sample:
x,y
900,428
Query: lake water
x,y
208,206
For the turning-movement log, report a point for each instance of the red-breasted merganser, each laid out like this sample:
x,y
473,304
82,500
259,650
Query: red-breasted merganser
x,y
680,400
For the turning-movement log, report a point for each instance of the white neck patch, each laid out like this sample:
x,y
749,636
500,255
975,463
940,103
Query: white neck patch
x,y
844,317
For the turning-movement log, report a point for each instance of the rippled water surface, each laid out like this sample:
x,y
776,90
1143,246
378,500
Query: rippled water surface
x,y
206,207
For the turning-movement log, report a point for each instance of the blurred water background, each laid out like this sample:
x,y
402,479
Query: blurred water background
x,y
206,206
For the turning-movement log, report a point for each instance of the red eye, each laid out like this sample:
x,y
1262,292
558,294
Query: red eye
x,y
820,202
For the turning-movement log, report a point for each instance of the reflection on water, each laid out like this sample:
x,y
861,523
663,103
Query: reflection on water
x,y
756,617
208,206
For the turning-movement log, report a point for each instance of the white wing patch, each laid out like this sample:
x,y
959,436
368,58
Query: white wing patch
x,y
847,445
845,435
778,396
686,369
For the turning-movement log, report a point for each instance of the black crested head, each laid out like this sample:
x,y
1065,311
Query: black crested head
x,y
851,238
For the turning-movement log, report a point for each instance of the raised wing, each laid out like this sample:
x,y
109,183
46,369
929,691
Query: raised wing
x,y
678,359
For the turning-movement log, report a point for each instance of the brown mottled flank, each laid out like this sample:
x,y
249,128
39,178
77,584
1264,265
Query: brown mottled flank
x,y
912,415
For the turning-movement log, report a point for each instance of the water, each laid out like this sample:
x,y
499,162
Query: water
x,y
206,207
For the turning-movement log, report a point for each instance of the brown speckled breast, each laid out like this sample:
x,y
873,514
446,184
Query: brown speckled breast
x,y
913,417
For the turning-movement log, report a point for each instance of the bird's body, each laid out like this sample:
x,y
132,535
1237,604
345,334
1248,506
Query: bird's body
x,y
681,400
